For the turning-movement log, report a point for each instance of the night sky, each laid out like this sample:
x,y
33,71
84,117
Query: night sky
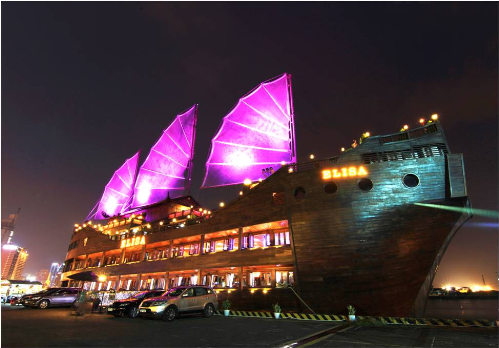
x,y
85,85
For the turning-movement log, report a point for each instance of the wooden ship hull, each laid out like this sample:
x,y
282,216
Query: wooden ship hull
x,y
364,238
375,250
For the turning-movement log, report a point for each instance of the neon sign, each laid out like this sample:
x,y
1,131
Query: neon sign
x,y
343,172
125,243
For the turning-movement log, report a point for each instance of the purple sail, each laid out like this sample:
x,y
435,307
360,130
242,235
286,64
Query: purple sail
x,y
167,168
256,135
118,191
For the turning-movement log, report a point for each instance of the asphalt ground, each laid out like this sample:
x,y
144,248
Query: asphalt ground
x,y
56,327
410,336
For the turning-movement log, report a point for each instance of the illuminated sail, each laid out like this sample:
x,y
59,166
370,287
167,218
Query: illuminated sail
x,y
118,191
167,168
256,135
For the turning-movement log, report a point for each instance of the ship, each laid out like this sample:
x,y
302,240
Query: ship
x,y
359,228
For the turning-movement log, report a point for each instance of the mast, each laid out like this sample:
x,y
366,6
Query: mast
x,y
191,161
255,138
292,114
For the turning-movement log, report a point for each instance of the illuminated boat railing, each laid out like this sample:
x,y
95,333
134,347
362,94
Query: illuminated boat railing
x,y
413,152
305,166
415,133
438,149
187,214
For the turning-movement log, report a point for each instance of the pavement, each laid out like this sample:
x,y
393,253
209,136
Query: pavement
x,y
55,327
410,336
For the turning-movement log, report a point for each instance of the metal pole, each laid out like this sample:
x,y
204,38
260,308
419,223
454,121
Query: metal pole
x,y
289,286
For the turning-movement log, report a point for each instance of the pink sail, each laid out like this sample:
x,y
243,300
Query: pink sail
x,y
258,134
118,191
167,168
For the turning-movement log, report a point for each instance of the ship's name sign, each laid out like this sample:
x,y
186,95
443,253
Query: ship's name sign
x,y
133,241
344,172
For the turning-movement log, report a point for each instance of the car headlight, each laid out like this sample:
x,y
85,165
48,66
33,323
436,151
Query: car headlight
x,y
158,303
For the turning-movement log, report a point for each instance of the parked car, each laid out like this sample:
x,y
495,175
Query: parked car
x,y
182,299
130,306
26,299
54,297
23,298
437,292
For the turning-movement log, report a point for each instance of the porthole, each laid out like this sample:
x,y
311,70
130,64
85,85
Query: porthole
x,y
411,180
330,188
300,192
365,185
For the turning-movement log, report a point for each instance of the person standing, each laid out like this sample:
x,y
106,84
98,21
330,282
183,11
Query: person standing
x,y
82,302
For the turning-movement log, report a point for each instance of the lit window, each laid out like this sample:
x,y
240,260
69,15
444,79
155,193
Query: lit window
x,y
244,243
85,242
219,246
283,278
207,247
194,249
259,241
260,279
282,238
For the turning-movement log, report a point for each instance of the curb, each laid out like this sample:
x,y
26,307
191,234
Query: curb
x,y
382,320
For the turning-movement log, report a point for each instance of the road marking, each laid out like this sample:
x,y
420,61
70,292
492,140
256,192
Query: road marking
x,y
273,330
316,337
364,343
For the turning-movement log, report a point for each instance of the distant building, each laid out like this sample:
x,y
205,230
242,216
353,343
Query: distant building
x,y
42,276
55,274
8,228
13,261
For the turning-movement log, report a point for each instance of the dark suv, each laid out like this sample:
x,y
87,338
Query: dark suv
x,y
130,306
54,297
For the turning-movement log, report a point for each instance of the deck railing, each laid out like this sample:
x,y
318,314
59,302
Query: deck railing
x,y
415,133
306,166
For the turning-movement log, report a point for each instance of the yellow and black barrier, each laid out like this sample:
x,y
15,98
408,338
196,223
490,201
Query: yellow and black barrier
x,y
247,314
381,320
298,316
430,321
